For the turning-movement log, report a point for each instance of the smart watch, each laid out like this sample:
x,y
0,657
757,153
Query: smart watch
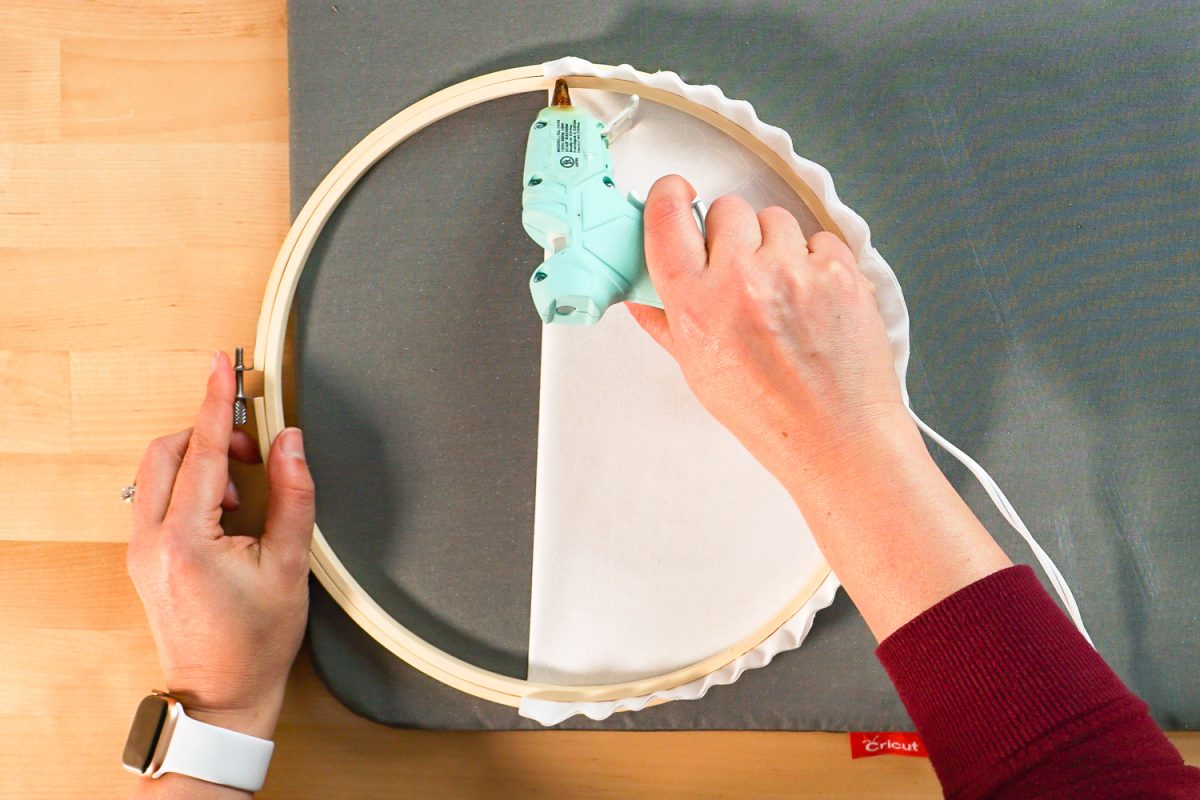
x,y
164,739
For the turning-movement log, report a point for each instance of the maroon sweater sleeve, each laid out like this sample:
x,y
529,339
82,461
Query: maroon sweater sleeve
x,y
1011,701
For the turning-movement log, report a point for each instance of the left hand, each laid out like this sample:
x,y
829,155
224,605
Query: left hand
x,y
227,612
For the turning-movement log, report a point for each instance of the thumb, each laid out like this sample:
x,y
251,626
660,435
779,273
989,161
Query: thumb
x,y
674,245
291,507
653,321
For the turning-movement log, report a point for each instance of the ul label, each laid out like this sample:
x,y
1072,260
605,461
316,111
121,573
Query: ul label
x,y
567,135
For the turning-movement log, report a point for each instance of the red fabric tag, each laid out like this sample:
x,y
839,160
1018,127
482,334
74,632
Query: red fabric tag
x,y
896,743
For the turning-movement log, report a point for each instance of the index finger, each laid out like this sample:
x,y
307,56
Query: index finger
x,y
156,478
674,245
200,485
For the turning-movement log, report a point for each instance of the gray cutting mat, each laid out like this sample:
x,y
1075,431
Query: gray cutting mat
x,y
1032,178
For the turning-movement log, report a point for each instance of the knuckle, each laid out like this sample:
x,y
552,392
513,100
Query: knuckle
x,y
675,184
203,445
159,450
741,265
689,322
726,204
821,240
780,289
667,253
174,550
662,213
775,215
759,300
831,245
167,447
133,561
841,275
753,305
294,560
295,500
292,478
669,191
302,492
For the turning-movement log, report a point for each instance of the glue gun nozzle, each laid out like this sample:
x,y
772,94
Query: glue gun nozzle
x,y
561,97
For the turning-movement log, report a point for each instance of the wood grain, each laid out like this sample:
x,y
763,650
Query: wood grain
x,y
151,194
35,412
165,298
30,100
143,193
120,400
68,497
236,90
131,19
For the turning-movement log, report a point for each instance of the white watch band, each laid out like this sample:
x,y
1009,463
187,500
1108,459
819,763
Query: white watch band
x,y
217,755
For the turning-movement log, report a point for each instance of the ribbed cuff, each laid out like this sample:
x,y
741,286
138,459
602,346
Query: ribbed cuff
x,y
989,672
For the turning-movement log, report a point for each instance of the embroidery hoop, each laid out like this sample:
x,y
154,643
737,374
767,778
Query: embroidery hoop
x,y
268,357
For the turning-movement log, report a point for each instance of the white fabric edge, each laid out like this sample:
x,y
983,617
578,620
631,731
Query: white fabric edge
x,y
894,312
788,636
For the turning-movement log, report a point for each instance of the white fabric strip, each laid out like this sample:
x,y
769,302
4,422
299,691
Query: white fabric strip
x,y
1010,514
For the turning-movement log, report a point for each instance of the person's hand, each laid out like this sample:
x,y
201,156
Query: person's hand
x,y
778,337
227,612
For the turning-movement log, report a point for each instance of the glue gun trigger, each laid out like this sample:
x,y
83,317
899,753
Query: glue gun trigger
x,y
622,122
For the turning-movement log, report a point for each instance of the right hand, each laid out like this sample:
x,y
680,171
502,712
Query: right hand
x,y
778,337
782,341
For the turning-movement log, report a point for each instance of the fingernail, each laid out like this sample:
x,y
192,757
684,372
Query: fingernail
x,y
216,357
231,490
293,443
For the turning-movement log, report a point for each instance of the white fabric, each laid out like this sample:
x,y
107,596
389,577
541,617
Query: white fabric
x,y
657,539
217,755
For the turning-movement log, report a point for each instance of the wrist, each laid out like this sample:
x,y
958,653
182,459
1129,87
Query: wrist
x,y
874,444
890,524
183,787
257,718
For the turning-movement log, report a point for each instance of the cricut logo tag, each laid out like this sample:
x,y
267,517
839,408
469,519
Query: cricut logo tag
x,y
876,743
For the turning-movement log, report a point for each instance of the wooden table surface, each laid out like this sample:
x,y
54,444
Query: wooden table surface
x,y
143,192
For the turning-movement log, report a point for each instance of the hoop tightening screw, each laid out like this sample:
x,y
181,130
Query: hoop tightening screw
x,y
239,399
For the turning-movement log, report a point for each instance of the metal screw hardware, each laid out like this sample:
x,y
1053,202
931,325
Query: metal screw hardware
x,y
239,400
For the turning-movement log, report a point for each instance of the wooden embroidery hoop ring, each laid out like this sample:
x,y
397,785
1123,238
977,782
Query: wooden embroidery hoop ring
x,y
268,357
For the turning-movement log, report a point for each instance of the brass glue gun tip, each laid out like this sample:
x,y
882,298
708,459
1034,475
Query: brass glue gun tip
x,y
561,97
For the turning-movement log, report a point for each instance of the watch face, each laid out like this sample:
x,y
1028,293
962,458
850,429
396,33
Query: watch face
x,y
144,733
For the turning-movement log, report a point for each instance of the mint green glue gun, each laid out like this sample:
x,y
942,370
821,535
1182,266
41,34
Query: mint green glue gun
x,y
572,208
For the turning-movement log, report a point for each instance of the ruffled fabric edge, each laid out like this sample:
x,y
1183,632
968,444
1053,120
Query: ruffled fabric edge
x,y
892,308
788,636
